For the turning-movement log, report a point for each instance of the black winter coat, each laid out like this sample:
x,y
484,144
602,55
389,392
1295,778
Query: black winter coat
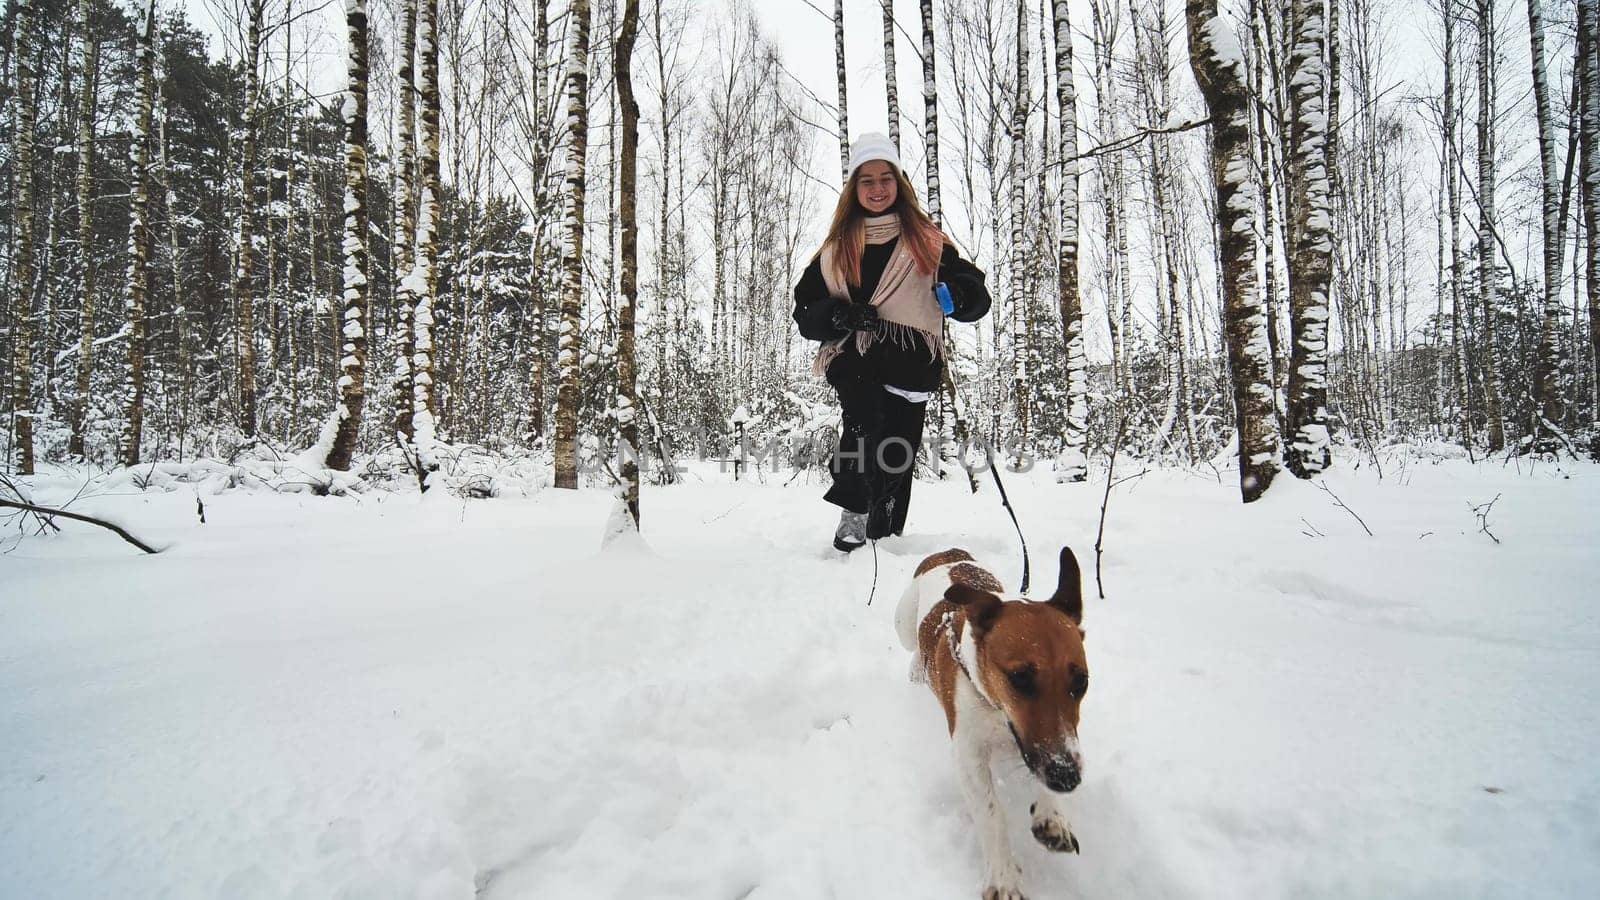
x,y
907,368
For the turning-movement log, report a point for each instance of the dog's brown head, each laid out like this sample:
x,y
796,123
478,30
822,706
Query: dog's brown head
x,y
1030,662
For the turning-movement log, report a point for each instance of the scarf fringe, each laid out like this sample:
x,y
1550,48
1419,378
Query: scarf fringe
x,y
902,336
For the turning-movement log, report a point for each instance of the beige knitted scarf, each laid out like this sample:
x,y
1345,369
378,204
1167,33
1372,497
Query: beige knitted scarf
x,y
904,297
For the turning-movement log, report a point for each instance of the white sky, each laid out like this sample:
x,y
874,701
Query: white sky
x,y
804,35
1409,67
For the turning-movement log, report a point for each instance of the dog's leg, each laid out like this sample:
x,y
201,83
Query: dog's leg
x,y
1050,825
973,748
906,620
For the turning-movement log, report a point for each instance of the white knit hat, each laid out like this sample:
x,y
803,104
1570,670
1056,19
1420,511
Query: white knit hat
x,y
868,147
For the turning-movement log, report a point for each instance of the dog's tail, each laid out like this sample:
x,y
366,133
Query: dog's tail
x,y
906,618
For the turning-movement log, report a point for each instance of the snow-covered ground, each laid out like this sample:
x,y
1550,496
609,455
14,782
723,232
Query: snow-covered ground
x,y
387,697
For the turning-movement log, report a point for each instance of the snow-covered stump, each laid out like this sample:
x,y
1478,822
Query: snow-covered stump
x,y
1218,64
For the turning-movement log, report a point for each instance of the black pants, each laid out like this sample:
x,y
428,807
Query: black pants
x,y
877,452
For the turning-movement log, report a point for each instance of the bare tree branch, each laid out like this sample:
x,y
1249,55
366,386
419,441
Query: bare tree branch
x,y
48,511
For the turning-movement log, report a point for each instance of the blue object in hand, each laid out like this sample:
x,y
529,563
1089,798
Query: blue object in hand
x,y
946,303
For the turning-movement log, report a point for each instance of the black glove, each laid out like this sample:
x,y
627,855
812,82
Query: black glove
x,y
855,317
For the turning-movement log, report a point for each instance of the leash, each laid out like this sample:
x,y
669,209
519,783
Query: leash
x,y
874,591
1006,502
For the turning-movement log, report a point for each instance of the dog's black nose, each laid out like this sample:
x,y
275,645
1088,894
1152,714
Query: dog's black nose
x,y
1061,776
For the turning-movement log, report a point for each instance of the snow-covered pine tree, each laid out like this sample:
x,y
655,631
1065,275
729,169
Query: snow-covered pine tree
x,y
1073,464
1310,244
627,163
139,241
90,56
1486,224
22,242
570,341
352,383
1218,63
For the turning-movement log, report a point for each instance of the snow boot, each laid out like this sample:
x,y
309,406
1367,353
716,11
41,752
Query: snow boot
x,y
852,531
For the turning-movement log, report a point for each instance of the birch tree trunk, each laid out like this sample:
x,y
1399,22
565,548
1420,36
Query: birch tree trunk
x,y
889,73
542,126
139,242
1260,33
627,164
1218,65
930,112
1310,242
243,283
1547,364
352,387
1074,463
1020,103
86,297
1486,273
567,357
403,241
1105,15
1589,182
424,277
22,246
844,105
666,265
1458,350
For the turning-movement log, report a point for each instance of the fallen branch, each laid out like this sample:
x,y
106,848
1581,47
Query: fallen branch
x,y
1329,491
45,511
1482,512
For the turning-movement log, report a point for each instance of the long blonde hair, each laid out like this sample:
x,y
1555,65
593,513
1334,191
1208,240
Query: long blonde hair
x,y
848,233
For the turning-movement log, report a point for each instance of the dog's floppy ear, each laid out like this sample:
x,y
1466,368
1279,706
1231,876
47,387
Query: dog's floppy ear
x,y
981,605
1069,589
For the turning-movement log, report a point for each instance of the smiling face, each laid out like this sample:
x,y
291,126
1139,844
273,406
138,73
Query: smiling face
x,y
876,187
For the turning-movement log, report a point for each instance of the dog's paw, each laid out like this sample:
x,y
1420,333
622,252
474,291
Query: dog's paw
x,y
1003,893
1053,834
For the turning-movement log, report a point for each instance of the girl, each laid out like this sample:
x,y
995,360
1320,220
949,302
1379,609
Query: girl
x,y
876,295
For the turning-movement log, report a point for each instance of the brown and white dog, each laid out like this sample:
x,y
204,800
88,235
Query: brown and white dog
x,y
1010,674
